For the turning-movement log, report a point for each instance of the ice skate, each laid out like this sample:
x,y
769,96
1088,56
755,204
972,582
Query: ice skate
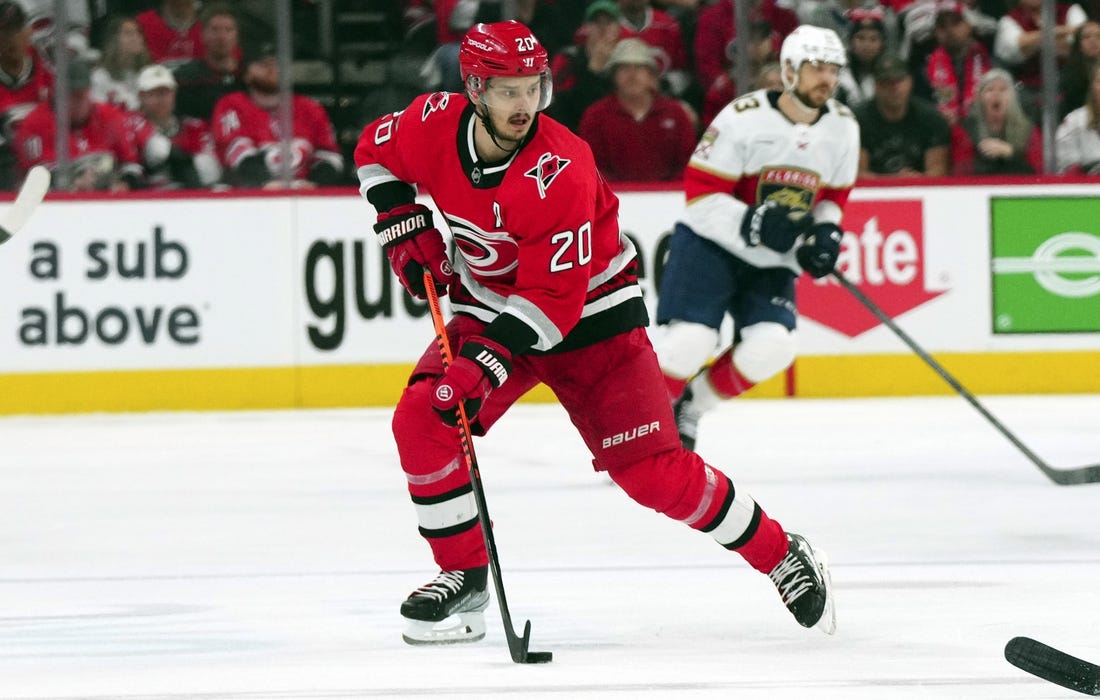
x,y
805,586
447,610
687,419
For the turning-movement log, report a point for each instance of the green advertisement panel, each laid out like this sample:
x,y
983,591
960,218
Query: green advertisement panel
x,y
1046,264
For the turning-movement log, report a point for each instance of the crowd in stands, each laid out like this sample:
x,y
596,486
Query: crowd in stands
x,y
166,94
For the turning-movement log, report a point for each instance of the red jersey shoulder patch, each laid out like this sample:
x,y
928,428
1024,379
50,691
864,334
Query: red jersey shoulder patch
x,y
546,170
436,102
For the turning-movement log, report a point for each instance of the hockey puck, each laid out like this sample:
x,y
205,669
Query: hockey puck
x,y
538,657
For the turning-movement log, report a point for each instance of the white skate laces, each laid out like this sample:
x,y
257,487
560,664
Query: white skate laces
x,y
805,585
447,609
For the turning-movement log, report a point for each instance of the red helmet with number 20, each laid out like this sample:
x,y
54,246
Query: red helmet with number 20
x,y
503,49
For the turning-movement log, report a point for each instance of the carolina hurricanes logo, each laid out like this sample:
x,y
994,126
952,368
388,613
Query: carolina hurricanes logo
x,y
548,168
486,253
436,102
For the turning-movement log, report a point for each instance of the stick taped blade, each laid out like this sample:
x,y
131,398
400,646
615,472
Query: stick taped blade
x,y
30,196
1053,665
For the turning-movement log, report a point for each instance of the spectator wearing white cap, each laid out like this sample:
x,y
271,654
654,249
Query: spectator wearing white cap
x,y
178,151
638,134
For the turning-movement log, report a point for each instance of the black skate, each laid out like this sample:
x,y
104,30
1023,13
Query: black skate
x,y
447,610
687,419
805,586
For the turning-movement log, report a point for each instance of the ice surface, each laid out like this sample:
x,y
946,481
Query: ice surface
x,y
245,556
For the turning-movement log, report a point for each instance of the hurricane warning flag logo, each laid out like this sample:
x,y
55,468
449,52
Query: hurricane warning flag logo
x,y
436,102
548,168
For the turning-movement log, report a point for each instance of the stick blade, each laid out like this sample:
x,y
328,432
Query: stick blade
x,y
30,195
1053,665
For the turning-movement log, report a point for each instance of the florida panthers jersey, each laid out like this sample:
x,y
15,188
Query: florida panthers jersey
x,y
537,235
751,153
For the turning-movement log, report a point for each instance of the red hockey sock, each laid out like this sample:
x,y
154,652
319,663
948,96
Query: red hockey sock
x,y
724,377
675,386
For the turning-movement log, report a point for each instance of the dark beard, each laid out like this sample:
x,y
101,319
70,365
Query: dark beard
x,y
264,87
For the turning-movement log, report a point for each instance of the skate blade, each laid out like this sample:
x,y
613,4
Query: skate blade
x,y
827,623
462,628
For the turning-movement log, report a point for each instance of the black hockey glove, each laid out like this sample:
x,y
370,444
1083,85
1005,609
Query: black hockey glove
x,y
413,244
819,253
480,367
776,226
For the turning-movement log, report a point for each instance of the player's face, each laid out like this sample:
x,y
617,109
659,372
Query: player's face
x,y
511,105
816,83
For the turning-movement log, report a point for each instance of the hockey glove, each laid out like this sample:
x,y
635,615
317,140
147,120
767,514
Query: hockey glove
x,y
480,367
776,226
413,243
819,253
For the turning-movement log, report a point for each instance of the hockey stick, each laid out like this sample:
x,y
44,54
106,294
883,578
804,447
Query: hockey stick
x,y
1065,477
516,645
1052,665
30,196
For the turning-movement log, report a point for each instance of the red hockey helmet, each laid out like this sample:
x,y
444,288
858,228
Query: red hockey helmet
x,y
503,49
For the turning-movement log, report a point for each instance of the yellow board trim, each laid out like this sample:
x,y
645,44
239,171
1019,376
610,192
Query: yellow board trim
x,y
381,385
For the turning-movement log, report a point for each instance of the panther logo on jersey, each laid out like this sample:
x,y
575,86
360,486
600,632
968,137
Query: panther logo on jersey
x,y
790,187
436,102
547,169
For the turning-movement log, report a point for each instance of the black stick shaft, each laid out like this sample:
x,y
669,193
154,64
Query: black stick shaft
x,y
517,645
1065,477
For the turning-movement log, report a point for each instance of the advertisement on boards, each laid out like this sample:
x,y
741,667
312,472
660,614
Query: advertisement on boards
x,y
1046,264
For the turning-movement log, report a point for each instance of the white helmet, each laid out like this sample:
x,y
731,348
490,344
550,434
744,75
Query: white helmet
x,y
809,43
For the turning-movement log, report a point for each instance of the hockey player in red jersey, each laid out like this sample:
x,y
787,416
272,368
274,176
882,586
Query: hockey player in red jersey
x,y
765,191
544,289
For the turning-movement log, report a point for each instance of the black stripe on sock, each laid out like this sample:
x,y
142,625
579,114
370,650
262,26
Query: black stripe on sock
x,y
723,510
754,525
449,531
443,497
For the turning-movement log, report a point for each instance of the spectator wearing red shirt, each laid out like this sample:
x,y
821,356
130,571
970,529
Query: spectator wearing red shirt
x,y
956,64
173,33
580,70
246,131
658,29
24,83
714,34
724,88
102,156
996,138
636,133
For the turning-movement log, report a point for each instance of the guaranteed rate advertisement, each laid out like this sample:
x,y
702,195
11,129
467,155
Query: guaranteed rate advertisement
x,y
278,301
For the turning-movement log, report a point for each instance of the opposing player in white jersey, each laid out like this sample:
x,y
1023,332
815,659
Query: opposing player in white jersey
x,y
765,191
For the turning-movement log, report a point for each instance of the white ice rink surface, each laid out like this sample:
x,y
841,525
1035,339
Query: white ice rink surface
x,y
245,556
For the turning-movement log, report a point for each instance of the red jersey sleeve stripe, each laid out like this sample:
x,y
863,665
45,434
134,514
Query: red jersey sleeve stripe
x,y
699,183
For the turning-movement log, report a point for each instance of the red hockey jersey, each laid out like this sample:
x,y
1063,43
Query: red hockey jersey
x,y
242,127
537,235
102,143
20,95
166,43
